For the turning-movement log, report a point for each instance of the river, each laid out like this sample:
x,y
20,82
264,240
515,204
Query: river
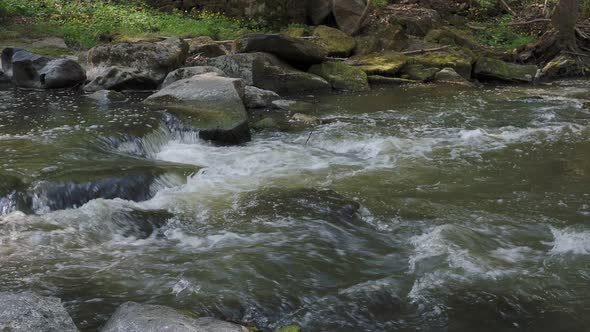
x,y
474,211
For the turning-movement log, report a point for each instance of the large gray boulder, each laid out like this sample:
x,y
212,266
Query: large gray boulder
x,y
120,78
267,72
29,312
154,59
135,317
318,10
211,104
350,14
258,98
28,70
292,50
188,72
494,69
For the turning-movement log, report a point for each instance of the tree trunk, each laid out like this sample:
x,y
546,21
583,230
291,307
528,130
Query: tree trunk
x,y
564,22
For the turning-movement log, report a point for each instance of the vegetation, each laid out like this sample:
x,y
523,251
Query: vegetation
x,y
498,34
82,23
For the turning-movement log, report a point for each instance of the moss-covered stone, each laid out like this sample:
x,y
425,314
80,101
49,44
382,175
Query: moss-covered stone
x,y
418,72
290,328
453,37
342,76
459,61
385,63
295,32
494,69
388,38
335,41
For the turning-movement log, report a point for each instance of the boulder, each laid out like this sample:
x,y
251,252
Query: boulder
x,y
385,63
135,317
283,104
418,72
211,104
62,73
265,71
453,37
205,46
450,76
29,70
258,98
154,59
188,72
318,10
380,39
350,14
120,78
494,69
415,19
6,60
292,50
459,61
336,42
342,76
29,312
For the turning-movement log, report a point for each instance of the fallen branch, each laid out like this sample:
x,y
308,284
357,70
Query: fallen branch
x,y
475,27
331,58
426,50
508,8
577,54
537,20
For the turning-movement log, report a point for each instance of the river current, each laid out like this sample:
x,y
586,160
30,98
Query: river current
x,y
474,211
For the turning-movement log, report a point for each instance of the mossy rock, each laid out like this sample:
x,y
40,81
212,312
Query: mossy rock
x,y
449,58
418,72
494,69
385,63
295,32
335,41
453,37
342,76
388,38
9,184
290,328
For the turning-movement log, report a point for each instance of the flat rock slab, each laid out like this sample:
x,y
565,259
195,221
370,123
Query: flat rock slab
x,y
29,312
292,50
135,317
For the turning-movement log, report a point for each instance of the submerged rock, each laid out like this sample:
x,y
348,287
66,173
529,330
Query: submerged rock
x,y
29,312
140,224
107,96
303,204
208,103
385,63
135,317
188,72
266,71
258,98
336,42
342,76
152,60
494,69
11,194
292,50
76,187
28,70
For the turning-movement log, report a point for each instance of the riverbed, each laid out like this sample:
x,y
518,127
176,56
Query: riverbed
x,y
474,211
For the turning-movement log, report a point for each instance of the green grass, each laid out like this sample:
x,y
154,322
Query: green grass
x,y
497,34
81,23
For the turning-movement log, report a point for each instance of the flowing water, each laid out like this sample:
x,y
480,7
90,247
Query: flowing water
x,y
475,211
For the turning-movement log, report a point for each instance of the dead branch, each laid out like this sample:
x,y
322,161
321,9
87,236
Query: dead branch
x,y
508,8
537,20
426,50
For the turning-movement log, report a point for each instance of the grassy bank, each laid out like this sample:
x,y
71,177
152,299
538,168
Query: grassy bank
x,y
84,23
